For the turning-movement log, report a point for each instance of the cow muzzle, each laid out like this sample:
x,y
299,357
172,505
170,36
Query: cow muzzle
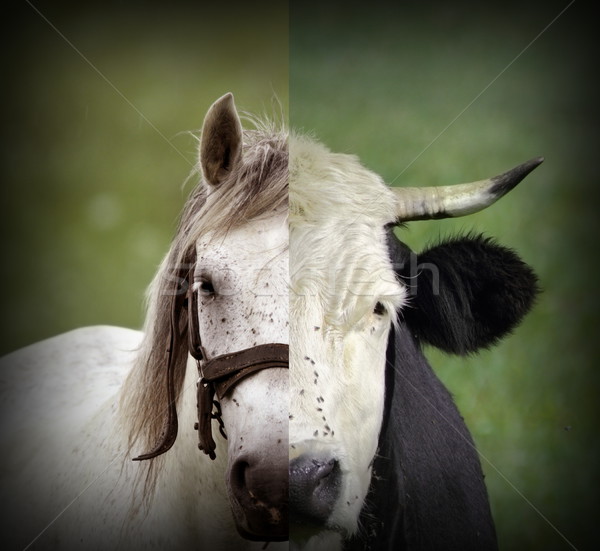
x,y
315,481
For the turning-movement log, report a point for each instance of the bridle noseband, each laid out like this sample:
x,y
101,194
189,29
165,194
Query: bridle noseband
x,y
217,375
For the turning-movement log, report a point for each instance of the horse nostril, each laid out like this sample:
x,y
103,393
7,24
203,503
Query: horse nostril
x,y
261,493
255,481
237,477
314,489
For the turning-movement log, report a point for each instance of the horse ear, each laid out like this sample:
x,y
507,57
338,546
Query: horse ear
x,y
221,142
467,293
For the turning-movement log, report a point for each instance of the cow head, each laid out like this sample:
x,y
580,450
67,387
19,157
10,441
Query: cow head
x,y
351,281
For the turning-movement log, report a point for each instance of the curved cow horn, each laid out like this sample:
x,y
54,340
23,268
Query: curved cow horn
x,y
426,203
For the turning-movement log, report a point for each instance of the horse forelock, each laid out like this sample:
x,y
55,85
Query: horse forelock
x,y
258,188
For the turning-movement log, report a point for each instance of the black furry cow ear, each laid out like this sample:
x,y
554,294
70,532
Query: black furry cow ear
x,y
467,293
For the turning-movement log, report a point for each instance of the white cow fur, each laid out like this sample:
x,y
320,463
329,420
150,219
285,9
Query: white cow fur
x,y
338,211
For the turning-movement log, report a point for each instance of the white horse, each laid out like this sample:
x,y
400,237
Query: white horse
x,y
346,297
80,406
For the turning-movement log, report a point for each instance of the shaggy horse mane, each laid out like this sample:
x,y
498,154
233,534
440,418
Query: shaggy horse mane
x,y
257,188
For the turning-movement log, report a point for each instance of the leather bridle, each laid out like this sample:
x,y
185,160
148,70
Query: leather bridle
x,y
216,376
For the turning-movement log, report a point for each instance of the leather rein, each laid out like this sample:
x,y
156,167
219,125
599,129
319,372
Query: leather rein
x,y
216,376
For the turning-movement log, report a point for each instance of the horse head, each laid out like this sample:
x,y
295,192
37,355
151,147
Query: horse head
x,y
221,297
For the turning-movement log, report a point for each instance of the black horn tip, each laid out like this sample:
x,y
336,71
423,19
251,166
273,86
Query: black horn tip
x,y
503,183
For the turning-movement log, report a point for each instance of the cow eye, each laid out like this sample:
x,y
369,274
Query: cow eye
x,y
379,309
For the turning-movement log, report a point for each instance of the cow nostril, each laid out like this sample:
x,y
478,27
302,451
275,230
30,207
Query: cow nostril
x,y
314,489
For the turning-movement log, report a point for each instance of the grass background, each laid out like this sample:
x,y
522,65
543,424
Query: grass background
x,y
442,93
95,151
91,191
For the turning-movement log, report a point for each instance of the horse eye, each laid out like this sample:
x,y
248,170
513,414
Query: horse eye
x,y
205,287
379,309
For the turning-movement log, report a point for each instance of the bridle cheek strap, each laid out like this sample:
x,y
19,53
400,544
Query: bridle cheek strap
x,y
219,375
176,341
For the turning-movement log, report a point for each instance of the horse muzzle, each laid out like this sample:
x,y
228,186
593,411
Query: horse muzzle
x,y
259,495
257,477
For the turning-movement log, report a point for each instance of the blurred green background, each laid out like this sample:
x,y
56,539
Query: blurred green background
x,y
91,189
437,93
94,166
